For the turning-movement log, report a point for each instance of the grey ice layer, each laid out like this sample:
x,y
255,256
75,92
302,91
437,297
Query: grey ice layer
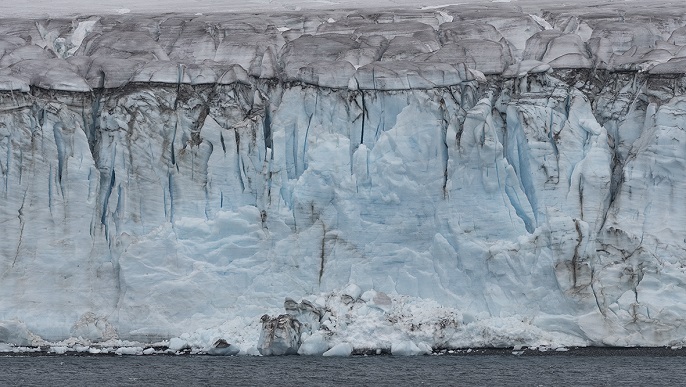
x,y
339,49
163,175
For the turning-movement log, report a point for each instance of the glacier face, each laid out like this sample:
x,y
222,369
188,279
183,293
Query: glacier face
x,y
166,174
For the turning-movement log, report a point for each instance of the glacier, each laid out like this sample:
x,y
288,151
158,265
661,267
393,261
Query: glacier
x,y
479,175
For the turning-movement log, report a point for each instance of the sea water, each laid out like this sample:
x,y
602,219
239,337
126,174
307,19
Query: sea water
x,y
621,367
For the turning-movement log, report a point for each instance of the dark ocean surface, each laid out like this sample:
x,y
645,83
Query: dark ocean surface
x,y
625,367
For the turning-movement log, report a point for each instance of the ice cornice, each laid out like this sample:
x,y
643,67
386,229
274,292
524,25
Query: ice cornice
x,y
338,49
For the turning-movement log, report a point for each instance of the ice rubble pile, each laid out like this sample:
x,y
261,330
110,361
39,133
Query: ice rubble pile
x,y
180,176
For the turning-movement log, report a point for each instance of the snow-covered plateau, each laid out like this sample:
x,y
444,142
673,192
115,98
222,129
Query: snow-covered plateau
x,y
330,182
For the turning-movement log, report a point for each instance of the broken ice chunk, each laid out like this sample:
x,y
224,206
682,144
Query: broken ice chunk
x,y
279,336
622,36
111,72
10,83
54,74
120,44
162,72
525,67
401,75
25,53
408,348
351,293
327,74
340,349
222,348
314,345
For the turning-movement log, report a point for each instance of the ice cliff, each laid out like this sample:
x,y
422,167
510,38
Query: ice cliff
x,y
483,175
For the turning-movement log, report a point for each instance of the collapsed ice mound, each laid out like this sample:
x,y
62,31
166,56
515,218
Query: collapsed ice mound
x,y
351,321
323,49
15,333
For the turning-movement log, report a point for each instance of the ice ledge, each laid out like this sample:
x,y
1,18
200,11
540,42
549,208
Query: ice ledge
x,y
386,50
117,73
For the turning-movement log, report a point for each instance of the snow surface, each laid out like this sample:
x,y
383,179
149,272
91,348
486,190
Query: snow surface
x,y
59,8
461,176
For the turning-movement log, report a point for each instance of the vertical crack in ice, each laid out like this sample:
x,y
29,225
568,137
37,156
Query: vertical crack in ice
x,y
520,165
444,149
50,189
639,278
291,150
507,191
107,181
460,119
239,159
108,192
525,170
307,132
92,129
638,91
595,293
7,167
181,70
22,224
21,165
581,197
364,113
119,209
616,180
553,141
170,187
59,144
322,253
221,140
575,257
267,126
171,144
521,213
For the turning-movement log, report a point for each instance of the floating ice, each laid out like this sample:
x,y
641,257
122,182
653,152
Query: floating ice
x,y
222,348
341,349
177,344
408,348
